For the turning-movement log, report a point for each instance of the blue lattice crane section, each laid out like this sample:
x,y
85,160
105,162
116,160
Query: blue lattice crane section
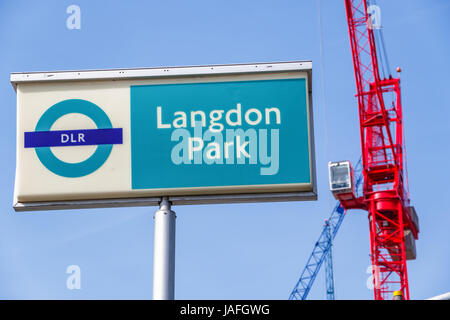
x,y
329,276
323,250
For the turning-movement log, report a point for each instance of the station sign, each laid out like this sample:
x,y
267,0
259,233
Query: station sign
x,y
211,134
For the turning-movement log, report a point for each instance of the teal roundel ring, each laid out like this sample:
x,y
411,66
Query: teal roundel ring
x,y
91,164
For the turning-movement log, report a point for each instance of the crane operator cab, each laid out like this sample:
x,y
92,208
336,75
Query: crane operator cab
x,y
341,178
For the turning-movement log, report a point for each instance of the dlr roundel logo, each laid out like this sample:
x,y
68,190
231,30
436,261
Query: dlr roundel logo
x,y
42,138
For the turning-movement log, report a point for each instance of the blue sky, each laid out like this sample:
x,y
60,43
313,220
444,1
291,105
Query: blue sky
x,y
239,251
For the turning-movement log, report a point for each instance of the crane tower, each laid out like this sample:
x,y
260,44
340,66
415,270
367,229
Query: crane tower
x,y
393,223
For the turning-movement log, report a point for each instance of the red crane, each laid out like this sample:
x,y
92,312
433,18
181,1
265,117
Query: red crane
x,y
393,222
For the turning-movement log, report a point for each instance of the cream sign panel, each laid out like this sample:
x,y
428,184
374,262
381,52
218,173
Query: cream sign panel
x,y
160,132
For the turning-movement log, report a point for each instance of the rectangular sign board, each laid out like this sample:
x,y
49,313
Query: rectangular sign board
x,y
208,134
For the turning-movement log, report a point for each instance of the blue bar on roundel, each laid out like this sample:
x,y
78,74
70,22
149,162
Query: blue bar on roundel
x,y
85,137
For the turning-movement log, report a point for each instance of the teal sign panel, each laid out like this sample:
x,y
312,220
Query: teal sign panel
x,y
220,135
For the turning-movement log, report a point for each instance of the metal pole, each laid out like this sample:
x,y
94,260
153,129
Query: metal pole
x,y
164,252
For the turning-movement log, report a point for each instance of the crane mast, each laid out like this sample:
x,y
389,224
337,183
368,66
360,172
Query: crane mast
x,y
393,222
382,144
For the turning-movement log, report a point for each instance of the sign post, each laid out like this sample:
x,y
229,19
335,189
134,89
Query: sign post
x,y
162,136
164,252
